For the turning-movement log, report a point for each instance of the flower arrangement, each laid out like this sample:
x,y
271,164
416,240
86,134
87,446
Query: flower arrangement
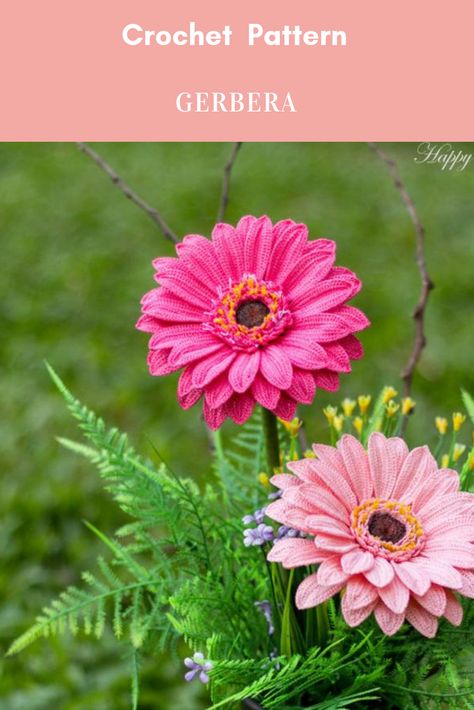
x,y
325,577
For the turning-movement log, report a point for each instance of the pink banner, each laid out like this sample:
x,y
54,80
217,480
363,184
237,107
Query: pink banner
x,y
333,70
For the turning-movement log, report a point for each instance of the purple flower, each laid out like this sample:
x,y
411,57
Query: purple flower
x,y
257,517
284,532
266,609
198,667
258,536
275,495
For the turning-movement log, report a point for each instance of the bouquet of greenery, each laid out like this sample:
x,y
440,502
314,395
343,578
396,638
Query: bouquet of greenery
x,y
318,576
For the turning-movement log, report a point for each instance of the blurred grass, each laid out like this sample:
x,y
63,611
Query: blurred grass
x,y
75,261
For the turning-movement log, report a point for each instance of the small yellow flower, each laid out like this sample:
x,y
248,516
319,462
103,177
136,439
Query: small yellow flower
x,y
338,422
358,424
264,479
441,425
459,449
330,412
458,420
292,427
389,393
391,408
408,406
309,454
445,461
364,401
348,406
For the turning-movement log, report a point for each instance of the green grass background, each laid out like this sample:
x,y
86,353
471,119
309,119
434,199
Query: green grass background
x,y
75,260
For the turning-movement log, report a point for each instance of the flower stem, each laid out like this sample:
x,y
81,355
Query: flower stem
x,y
270,428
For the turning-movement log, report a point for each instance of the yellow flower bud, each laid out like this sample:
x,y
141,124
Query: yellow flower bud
x,y
445,461
458,420
459,449
292,427
408,406
389,393
358,424
392,408
309,454
264,480
348,406
338,422
470,461
364,401
441,425
330,412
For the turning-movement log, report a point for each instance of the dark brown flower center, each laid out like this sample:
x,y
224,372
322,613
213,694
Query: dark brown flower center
x,y
251,313
386,527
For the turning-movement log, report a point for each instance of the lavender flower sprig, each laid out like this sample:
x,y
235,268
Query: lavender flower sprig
x,y
198,667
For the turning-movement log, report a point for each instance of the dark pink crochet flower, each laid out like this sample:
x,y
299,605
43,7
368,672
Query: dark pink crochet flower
x,y
258,314
389,529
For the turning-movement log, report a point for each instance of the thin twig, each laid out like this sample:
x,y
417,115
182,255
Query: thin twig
x,y
129,193
426,283
226,180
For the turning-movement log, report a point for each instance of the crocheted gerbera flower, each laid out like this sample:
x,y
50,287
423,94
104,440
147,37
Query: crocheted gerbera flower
x,y
258,314
389,529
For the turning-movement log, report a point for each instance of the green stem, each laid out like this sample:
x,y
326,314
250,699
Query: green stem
x,y
270,428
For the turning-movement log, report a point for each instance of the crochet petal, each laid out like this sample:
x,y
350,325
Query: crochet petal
x,y
395,596
325,295
214,417
287,248
421,620
258,247
267,395
388,621
189,351
276,367
381,574
453,611
355,617
166,306
357,561
303,352
313,266
412,576
338,358
433,601
212,366
325,524
240,407
310,593
295,552
286,407
303,387
334,544
357,465
243,370
158,364
383,465
230,247
218,391
327,380
199,255
441,573
330,572
352,346
359,592
467,588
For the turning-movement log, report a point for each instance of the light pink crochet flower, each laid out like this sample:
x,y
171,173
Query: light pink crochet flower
x,y
257,314
389,529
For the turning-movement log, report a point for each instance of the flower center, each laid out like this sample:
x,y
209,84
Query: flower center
x,y
249,313
387,528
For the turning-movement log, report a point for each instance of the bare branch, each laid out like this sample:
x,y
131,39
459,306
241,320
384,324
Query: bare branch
x,y
226,180
426,283
129,193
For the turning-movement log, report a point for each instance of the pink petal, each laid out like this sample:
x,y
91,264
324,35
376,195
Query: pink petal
x,y
148,324
303,387
433,601
323,501
381,573
185,382
284,481
359,592
214,417
210,367
303,352
388,621
166,306
335,482
164,264
325,295
322,327
330,572
357,561
421,620
313,266
354,617
230,247
467,588
295,552
199,347
276,367
334,544
188,400
448,550
327,380
352,346
167,336
243,370
158,364
338,358
200,256
357,464
267,395
258,246
286,408
454,611
310,593
292,516
414,473
218,391
441,573
395,596
325,524
240,407
287,248
383,465
412,576
181,282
